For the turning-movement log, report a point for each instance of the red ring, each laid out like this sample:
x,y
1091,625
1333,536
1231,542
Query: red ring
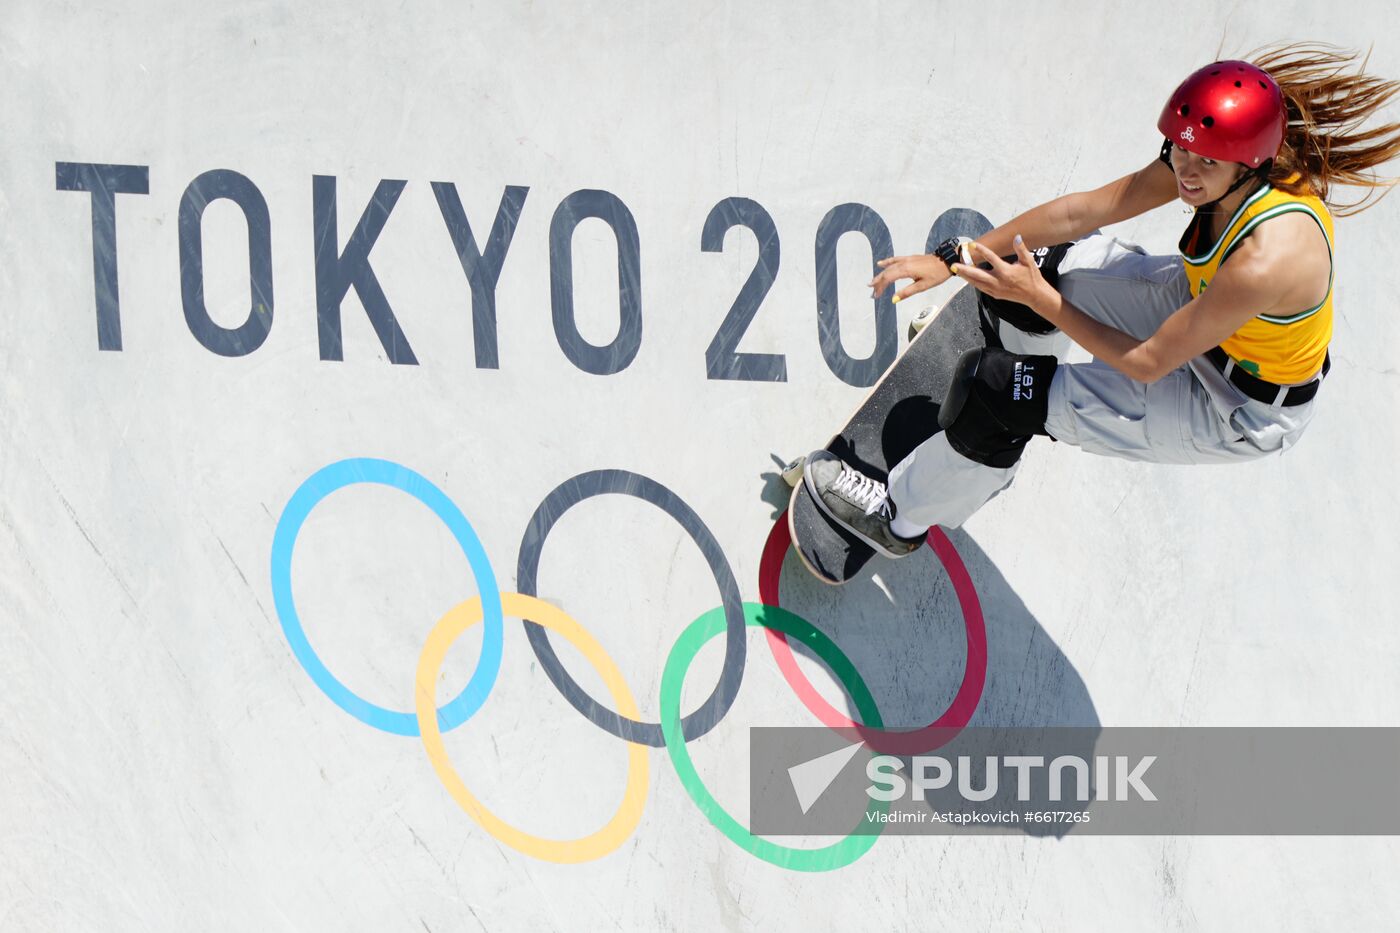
x,y
887,742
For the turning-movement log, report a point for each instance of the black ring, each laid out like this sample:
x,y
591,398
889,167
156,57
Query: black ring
x,y
602,482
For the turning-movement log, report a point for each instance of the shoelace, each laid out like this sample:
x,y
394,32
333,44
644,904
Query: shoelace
x,y
864,492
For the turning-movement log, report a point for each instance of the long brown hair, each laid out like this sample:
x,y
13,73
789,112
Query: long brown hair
x,y
1327,102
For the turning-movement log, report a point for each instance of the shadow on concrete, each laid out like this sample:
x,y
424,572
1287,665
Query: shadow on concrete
x,y
901,624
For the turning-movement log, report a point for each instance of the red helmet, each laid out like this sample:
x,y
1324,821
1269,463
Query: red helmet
x,y
1229,111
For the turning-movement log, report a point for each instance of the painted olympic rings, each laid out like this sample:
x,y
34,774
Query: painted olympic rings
x,y
892,742
364,470
629,812
774,619
732,617
601,482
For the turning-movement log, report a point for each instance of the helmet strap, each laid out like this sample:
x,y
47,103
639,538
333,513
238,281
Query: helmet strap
x,y
1261,172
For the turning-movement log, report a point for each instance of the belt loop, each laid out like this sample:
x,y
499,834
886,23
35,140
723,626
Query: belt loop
x,y
1229,367
1282,394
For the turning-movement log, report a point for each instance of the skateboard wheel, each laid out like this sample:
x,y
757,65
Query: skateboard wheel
x,y
792,473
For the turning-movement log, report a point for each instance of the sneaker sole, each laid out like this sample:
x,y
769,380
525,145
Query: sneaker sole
x,y
796,549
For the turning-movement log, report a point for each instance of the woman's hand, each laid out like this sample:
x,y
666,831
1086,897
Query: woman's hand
x,y
926,271
1020,281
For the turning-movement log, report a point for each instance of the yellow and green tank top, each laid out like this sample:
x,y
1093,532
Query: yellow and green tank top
x,y
1283,349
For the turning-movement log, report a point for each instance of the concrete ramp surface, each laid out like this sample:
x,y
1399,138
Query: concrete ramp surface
x,y
337,340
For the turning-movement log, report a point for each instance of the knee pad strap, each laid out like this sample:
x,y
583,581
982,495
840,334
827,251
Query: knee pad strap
x,y
1018,315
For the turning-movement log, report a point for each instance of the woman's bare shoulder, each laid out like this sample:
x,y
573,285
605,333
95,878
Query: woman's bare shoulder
x,y
1291,253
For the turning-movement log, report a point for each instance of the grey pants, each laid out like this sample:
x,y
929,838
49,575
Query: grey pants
x,y
1191,415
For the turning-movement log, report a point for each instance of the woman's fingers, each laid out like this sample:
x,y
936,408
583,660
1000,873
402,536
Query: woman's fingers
x,y
887,264
891,270
921,285
926,271
1022,252
888,273
989,257
977,277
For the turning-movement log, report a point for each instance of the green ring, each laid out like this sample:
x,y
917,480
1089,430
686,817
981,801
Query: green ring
x,y
678,662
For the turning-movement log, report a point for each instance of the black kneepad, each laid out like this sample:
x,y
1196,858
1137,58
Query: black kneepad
x,y
1018,315
996,403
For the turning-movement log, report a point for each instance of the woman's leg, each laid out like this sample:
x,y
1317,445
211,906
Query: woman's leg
x,y
1181,418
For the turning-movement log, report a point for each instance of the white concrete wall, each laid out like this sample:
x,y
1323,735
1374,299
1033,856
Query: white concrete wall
x,y
166,763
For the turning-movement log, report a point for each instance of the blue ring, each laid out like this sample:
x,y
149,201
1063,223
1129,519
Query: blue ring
x,y
366,470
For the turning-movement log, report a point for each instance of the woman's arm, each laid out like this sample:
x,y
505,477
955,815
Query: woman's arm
x,y
1065,218
1072,216
1282,267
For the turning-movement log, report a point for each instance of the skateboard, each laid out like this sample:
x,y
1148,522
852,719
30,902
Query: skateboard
x,y
899,414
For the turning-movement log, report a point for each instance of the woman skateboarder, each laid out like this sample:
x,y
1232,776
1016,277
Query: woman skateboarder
x,y
1215,355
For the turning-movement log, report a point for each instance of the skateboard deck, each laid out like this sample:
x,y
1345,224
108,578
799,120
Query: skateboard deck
x,y
899,414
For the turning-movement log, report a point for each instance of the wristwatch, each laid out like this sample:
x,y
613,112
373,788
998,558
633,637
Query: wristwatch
x,y
954,249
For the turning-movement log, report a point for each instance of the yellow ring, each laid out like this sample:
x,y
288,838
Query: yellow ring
x,y
447,630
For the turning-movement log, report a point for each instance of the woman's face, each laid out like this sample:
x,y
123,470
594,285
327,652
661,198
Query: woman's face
x,y
1200,180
